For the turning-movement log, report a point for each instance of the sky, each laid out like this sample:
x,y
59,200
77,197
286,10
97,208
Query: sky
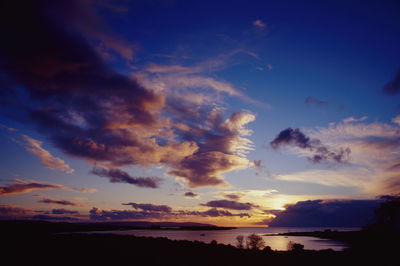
x,y
242,113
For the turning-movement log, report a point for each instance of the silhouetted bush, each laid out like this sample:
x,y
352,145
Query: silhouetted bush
x,y
240,241
267,249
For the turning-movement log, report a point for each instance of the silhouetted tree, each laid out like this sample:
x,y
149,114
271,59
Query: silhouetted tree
x,y
387,216
240,241
292,246
255,242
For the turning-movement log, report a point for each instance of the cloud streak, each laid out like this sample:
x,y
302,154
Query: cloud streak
x,y
48,160
21,186
313,101
152,211
58,202
117,176
230,204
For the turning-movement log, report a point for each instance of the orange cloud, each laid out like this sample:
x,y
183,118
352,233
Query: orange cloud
x,y
48,160
21,186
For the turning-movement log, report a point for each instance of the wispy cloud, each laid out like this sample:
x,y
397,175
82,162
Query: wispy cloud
x,y
259,24
230,204
35,147
25,186
20,186
354,120
314,101
58,202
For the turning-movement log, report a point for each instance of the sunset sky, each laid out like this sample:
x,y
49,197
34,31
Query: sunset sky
x,y
225,112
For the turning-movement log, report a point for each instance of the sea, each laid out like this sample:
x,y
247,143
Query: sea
x,y
227,237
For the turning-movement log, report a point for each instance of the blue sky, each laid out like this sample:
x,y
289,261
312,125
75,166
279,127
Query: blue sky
x,y
144,101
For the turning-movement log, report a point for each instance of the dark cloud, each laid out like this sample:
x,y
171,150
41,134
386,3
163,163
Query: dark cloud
x,y
63,211
257,164
20,186
313,101
229,204
150,211
55,218
233,196
319,213
190,194
72,94
149,207
12,212
214,213
393,86
118,176
59,202
320,152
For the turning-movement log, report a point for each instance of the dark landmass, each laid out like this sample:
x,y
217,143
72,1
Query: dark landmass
x,y
382,240
36,245
27,226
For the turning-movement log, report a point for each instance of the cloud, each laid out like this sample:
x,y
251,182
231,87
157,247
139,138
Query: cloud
x,y
396,120
259,24
214,213
63,211
97,214
234,196
149,207
319,152
353,120
21,186
48,160
393,86
55,218
118,176
58,202
12,212
150,211
54,78
183,82
319,213
372,168
190,194
86,190
313,101
220,150
229,204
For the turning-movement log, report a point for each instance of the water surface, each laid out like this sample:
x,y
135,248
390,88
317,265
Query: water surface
x,y
229,236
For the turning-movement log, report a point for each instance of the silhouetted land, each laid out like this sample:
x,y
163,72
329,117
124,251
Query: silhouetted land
x,y
57,227
37,244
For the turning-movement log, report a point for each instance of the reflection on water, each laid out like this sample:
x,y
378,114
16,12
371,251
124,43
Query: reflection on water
x,y
229,236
